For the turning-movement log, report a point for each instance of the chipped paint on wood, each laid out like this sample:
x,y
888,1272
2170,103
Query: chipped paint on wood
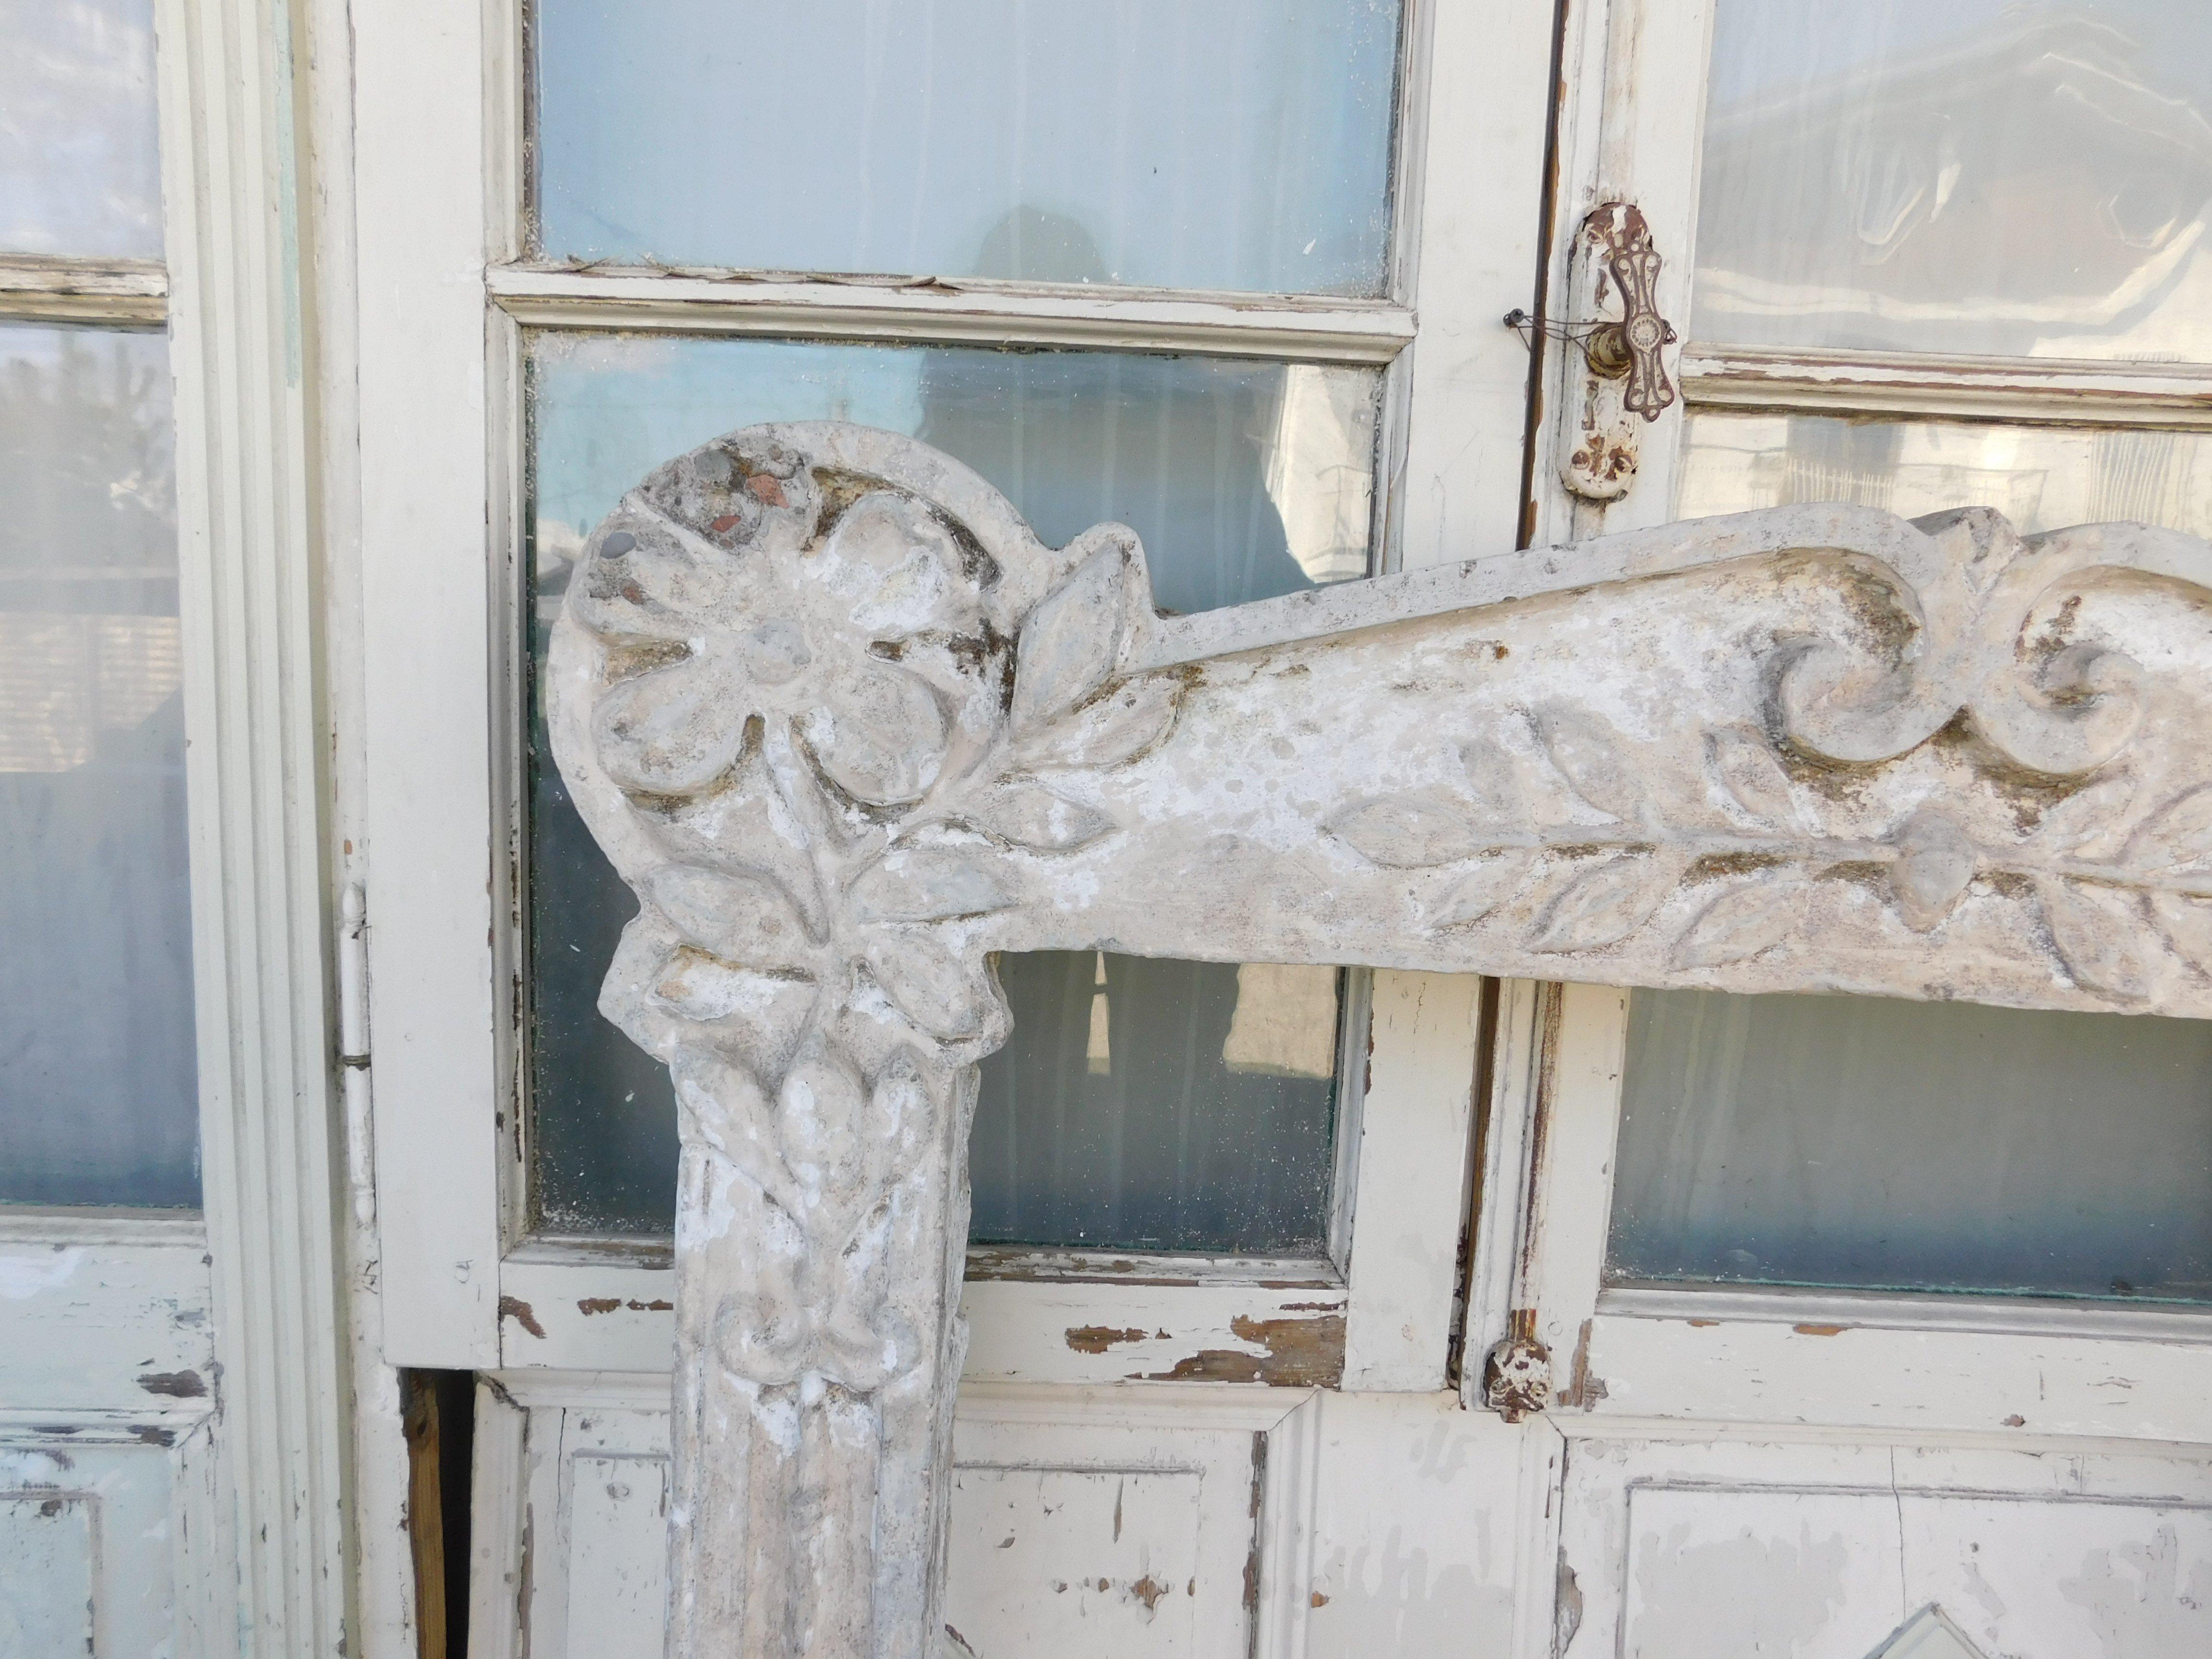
x,y
103,1315
1281,1352
589,1306
177,1385
1681,1551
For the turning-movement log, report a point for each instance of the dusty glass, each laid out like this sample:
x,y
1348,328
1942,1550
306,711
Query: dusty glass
x,y
1245,480
99,1097
1147,1105
1236,144
1978,177
1838,1140
2042,477
1862,1143
79,164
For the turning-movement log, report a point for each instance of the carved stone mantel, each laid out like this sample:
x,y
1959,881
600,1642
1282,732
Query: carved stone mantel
x,y
847,727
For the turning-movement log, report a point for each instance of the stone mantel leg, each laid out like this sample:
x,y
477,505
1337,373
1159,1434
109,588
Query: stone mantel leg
x,y
847,727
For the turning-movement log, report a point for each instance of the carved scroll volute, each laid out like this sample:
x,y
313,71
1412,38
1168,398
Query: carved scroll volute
x,y
806,688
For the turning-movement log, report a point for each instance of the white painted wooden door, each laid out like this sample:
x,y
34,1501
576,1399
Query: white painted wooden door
x,y
1842,1365
1223,1453
170,1419
1187,1452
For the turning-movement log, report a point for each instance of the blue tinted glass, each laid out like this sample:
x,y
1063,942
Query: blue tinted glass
x,y
1232,144
1855,1142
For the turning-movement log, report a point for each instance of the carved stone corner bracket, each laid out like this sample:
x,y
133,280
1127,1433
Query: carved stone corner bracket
x,y
847,727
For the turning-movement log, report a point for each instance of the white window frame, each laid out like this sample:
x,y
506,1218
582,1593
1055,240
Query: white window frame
x,y
1654,1359
443,304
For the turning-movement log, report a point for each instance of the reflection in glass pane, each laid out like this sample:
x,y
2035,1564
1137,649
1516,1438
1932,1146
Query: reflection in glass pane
x,y
1244,479
99,1097
1151,1105
1237,144
2042,477
79,169
1848,1141
1977,177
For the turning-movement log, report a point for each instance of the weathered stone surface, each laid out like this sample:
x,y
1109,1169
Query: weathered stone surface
x,y
847,728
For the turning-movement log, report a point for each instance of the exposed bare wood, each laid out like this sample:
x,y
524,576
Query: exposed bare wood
x,y
1035,1266
951,310
1977,388
426,1522
129,293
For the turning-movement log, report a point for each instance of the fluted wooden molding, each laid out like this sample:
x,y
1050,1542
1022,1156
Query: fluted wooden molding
x,y
241,343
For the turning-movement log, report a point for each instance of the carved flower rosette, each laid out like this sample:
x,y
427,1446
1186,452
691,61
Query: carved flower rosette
x,y
806,691
790,702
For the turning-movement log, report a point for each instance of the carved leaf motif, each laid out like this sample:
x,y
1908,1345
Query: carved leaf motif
x,y
900,1113
818,1111
2100,939
1481,890
927,884
1934,863
894,562
1068,644
939,993
865,1340
1589,757
1416,829
2188,924
1603,903
2087,817
671,731
1029,816
704,987
720,1105
638,581
1740,923
1127,720
879,734
763,1330
741,918
1492,774
1748,770
2176,836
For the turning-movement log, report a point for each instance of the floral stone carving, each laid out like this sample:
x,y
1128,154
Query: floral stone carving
x,y
847,728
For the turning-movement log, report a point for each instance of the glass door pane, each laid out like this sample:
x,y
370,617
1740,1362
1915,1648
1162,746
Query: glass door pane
x,y
99,1093
1234,144
80,161
2041,477
1978,177
1852,1142
1147,1105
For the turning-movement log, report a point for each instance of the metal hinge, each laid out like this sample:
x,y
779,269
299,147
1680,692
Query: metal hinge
x,y
353,1053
